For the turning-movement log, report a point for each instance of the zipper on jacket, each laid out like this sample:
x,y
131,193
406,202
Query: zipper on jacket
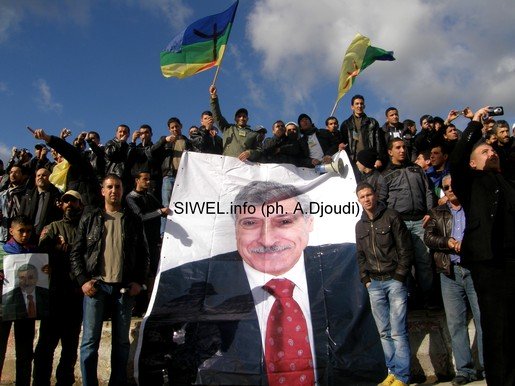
x,y
374,245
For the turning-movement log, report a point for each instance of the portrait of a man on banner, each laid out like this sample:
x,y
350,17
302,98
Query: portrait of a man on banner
x,y
25,289
262,288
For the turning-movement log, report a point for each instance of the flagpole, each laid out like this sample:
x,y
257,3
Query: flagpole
x,y
334,108
217,70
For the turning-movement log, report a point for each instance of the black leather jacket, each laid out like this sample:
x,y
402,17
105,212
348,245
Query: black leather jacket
x,y
87,250
384,247
488,199
373,137
436,237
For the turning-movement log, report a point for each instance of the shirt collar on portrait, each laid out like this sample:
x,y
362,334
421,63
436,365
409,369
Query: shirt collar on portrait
x,y
297,274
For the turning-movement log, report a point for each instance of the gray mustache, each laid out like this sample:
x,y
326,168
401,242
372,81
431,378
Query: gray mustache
x,y
271,249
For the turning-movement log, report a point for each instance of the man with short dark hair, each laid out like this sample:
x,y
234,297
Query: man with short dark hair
x,y
488,247
168,151
505,148
410,195
207,140
11,198
109,260
239,140
145,205
116,153
40,204
384,253
443,235
362,132
281,148
439,168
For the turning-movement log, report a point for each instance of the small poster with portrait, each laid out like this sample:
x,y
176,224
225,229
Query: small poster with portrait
x,y
25,290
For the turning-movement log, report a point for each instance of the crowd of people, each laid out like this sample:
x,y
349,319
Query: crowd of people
x,y
100,211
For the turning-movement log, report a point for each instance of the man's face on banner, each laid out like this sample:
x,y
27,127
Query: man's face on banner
x,y
273,243
27,280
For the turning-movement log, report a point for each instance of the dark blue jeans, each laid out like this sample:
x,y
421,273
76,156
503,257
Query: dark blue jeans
x,y
94,309
389,303
455,293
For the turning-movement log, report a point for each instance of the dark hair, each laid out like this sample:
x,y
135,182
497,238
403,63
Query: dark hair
x,y
207,112
145,126
111,176
442,146
278,121
408,123
25,170
357,96
331,118
21,219
501,124
124,125
364,185
95,134
425,153
392,141
390,109
426,116
439,120
174,120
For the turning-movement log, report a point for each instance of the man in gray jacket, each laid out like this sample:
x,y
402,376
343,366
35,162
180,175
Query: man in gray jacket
x,y
409,194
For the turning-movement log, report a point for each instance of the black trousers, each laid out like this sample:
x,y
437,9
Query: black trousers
x,y
495,287
23,341
63,324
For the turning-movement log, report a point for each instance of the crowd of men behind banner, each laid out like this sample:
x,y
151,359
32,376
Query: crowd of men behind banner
x,y
408,167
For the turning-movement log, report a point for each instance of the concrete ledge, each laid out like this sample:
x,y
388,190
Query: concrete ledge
x,y
430,344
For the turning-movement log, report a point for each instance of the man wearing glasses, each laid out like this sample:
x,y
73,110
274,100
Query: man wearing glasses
x,y
443,235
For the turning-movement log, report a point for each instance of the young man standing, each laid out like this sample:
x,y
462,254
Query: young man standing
x,y
384,252
110,253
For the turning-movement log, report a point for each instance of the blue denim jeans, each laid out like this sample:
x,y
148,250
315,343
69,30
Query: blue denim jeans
x,y
94,309
166,195
455,293
389,303
422,259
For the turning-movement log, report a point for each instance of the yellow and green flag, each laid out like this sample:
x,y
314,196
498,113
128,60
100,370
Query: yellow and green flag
x,y
200,46
359,56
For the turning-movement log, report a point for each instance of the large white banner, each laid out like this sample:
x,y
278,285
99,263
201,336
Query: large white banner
x,y
234,227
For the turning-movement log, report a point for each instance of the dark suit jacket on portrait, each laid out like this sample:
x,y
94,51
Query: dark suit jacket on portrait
x,y
13,304
210,300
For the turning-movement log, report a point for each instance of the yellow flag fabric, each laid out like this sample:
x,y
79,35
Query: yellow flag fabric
x,y
59,175
359,56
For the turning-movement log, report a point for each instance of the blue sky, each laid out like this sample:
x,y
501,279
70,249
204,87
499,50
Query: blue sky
x,y
90,65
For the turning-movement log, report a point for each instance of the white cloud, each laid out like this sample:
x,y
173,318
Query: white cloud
x,y
3,87
449,54
45,99
5,153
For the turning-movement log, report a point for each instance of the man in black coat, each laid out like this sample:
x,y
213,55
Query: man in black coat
x,y
40,204
488,245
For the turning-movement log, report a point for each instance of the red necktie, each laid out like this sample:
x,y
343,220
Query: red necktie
x,y
32,306
287,351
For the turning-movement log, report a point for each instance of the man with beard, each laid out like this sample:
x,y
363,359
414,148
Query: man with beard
x,y
488,246
65,316
10,198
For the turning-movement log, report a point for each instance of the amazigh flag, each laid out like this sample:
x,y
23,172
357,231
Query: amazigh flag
x,y
359,56
200,46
